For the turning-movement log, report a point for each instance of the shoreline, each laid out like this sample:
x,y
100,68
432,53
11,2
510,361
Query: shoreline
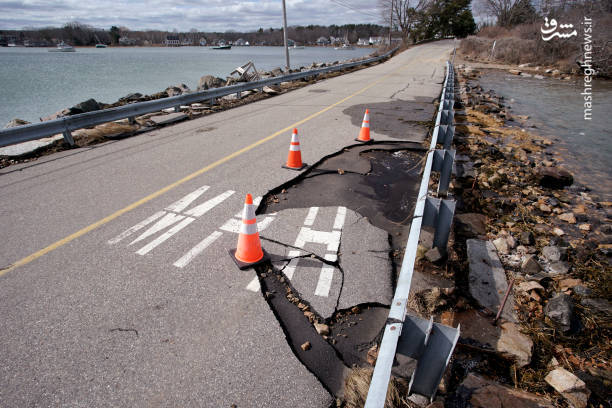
x,y
29,151
547,244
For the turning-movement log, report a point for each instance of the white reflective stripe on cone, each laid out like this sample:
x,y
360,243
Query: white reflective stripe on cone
x,y
248,229
294,148
248,213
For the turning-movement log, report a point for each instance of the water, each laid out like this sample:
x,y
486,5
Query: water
x,y
556,108
35,82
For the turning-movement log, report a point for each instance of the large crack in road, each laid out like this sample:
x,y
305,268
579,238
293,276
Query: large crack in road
x,y
379,182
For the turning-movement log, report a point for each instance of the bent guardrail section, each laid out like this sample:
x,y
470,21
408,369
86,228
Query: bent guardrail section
x,y
431,344
68,124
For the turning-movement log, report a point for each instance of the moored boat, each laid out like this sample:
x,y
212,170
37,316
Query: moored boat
x,y
63,47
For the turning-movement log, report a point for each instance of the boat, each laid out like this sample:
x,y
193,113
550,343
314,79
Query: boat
x,y
222,47
63,47
101,45
345,47
297,47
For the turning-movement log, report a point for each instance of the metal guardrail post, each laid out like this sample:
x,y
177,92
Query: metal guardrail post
x,y
443,163
68,137
439,214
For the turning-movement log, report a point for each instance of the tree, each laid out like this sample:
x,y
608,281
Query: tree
x,y
444,18
509,12
406,14
115,35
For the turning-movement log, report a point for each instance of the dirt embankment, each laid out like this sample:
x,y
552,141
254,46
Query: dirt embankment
x,y
524,45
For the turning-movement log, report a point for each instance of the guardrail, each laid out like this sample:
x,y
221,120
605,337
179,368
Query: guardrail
x,y
431,344
68,124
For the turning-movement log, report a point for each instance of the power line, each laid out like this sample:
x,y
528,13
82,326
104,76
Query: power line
x,y
348,6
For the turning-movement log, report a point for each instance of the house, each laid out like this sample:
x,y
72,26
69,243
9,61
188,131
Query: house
x,y
378,40
172,41
323,41
240,42
124,40
363,41
187,42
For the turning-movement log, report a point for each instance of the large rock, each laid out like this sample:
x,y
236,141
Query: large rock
x,y
89,105
554,177
571,387
487,278
560,310
471,225
15,123
482,393
177,90
551,253
530,265
209,81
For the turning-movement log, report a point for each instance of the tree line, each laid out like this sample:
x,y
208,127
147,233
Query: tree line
x,y
79,34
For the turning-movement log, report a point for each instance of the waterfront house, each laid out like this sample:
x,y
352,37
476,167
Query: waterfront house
x,y
172,41
187,42
323,41
125,40
363,41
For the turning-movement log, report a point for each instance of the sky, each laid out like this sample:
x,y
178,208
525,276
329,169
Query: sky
x,y
184,15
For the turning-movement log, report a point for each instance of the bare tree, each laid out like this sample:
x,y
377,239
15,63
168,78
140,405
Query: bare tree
x,y
508,12
406,14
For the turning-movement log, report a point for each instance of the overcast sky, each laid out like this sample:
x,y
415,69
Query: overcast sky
x,y
183,15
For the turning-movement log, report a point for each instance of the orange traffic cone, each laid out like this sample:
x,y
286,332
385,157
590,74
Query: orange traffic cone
x,y
248,252
294,160
364,133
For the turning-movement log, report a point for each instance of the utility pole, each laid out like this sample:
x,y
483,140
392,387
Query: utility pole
x,y
285,34
390,23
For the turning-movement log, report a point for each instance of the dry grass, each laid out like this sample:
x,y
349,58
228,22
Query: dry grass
x,y
357,385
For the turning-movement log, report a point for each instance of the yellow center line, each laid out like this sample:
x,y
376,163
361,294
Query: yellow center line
x,y
185,179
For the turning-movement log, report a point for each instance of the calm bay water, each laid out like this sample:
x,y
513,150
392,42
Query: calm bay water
x,y
556,108
35,83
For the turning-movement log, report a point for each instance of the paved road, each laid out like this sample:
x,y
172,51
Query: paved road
x,y
117,289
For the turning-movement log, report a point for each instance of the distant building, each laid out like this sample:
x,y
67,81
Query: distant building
x,y
378,40
363,41
126,41
203,42
290,42
336,40
240,42
323,41
187,42
172,41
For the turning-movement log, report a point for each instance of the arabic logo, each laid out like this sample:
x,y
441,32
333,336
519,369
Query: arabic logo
x,y
552,27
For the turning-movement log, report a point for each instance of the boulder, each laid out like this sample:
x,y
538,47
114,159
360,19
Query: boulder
x,y
554,177
601,306
571,387
530,265
209,81
478,392
551,253
526,238
487,277
132,97
471,225
502,246
560,310
558,268
177,90
15,123
89,105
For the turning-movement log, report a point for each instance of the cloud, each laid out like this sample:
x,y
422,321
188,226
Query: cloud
x,y
183,15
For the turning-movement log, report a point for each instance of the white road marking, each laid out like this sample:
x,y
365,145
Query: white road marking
x,y
163,237
136,227
340,217
165,222
203,208
310,217
331,239
264,223
196,250
184,202
254,285
325,278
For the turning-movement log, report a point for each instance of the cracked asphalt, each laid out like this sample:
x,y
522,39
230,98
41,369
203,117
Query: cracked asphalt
x,y
116,288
